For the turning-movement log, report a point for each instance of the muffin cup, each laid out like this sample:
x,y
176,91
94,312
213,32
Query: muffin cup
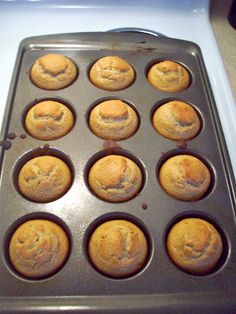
x,y
119,217
225,241
44,151
16,225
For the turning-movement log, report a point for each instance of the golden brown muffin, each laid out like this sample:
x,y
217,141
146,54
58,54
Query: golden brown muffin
x,y
38,248
118,248
49,120
113,120
112,73
169,76
53,71
185,177
44,179
176,120
115,178
194,245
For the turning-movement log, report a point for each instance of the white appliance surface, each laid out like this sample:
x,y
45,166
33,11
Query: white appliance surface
x,y
183,19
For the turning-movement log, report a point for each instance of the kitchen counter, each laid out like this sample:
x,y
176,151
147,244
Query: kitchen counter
x,y
226,38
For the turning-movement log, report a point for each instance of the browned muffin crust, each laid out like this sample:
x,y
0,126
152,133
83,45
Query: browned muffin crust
x,y
112,73
49,120
185,177
44,179
115,178
113,120
38,248
118,248
176,120
53,72
169,76
194,245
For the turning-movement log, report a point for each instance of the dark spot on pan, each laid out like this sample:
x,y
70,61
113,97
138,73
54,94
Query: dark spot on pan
x,y
144,206
5,144
45,149
181,144
142,50
11,136
46,146
23,136
109,144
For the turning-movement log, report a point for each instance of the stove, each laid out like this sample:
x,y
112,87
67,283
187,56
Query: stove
x,y
182,19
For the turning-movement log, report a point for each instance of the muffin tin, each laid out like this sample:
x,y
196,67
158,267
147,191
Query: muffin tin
x,y
160,287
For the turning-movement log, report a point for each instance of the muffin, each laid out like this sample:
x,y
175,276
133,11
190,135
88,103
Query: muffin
x,y
38,248
44,179
53,71
112,73
118,248
169,76
113,120
176,120
49,120
185,177
115,178
194,245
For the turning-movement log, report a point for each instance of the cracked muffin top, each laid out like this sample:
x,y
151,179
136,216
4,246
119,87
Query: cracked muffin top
x,y
115,178
169,76
176,120
185,177
113,119
44,179
53,72
38,248
118,248
49,120
194,245
112,73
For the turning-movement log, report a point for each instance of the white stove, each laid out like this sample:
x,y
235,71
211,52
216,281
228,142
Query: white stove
x,y
183,19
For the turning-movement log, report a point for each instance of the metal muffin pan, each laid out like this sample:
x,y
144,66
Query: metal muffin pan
x,y
160,287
